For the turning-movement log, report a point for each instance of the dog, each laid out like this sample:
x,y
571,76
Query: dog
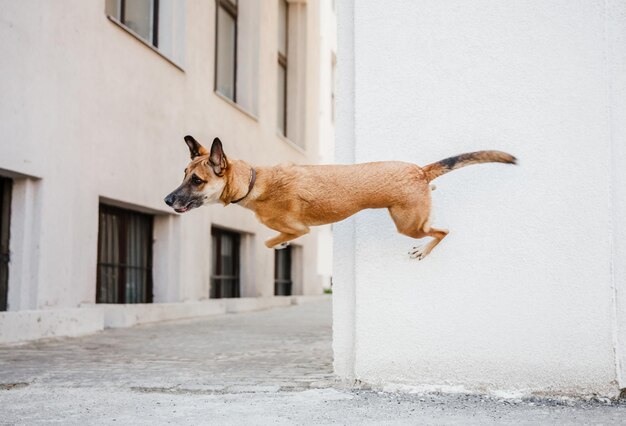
x,y
291,198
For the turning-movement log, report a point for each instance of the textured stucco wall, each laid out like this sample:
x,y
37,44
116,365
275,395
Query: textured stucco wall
x,y
344,288
520,295
616,88
92,112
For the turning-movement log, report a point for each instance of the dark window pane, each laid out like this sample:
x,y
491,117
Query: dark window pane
x,y
5,220
224,264
124,256
282,272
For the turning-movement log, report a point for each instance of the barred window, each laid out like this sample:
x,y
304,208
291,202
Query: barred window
x,y
5,218
124,256
283,284
225,264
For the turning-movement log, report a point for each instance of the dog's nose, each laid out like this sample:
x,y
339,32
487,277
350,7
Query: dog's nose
x,y
169,200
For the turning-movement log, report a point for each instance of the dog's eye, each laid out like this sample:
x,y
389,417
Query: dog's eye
x,y
196,180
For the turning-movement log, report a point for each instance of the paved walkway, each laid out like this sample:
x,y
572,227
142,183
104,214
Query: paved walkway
x,y
270,367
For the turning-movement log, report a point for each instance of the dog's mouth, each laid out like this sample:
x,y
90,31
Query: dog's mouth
x,y
188,207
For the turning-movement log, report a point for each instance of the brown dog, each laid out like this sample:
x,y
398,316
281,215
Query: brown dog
x,y
290,198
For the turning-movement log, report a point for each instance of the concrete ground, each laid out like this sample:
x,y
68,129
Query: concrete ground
x,y
269,367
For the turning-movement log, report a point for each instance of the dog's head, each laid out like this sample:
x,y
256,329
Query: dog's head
x,y
205,177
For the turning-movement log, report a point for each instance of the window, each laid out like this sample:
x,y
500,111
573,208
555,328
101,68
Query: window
x,y
226,49
159,24
224,264
5,216
124,256
140,16
282,272
283,20
292,63
237,47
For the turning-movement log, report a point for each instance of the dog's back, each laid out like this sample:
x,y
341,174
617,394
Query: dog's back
x,y
330,193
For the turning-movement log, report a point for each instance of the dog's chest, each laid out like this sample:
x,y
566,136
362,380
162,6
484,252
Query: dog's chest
x,y
275,214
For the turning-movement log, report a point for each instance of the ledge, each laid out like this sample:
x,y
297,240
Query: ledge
x,y
144,42
17,175
116,316
164,211
23,326
119,316
236,106
291,143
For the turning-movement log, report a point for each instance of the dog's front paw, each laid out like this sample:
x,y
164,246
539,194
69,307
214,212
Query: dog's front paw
x,y
417,253
281,246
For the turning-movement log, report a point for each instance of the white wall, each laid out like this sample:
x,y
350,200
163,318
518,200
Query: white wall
x,y
90,113
616,90
520,295
327,40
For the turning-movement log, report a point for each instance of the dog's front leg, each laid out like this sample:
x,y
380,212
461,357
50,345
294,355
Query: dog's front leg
x,y
282,239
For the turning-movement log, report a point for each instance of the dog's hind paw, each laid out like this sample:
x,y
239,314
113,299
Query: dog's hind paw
x,y
281,246
418,253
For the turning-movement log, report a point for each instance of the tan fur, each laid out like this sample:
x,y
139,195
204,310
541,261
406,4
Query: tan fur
x,y
291,198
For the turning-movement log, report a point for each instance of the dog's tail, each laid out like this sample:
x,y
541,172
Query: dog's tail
x,y
433,171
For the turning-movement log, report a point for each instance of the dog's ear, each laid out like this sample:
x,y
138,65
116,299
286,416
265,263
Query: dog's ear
x,y
195,149
217,159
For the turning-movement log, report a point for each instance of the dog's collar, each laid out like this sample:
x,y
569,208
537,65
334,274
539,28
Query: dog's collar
x,y
252,180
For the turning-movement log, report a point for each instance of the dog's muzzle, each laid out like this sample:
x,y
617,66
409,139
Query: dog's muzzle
x,y
181,203
169,200
175,202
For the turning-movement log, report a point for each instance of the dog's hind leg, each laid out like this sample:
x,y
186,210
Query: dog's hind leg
x,y
414,222
421,252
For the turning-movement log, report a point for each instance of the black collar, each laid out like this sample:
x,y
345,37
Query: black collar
x,y
252,180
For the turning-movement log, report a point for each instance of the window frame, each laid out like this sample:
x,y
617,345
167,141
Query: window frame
x,y
232,8
6,189
215,291
122,268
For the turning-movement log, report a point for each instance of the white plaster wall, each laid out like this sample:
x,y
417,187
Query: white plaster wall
x,y
616,88
519,296
91,113
344,262
327,50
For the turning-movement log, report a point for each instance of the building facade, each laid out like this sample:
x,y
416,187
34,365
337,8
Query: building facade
x,y
527,292
96,99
